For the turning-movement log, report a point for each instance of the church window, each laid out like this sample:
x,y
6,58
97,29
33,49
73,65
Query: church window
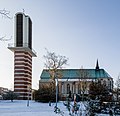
x,y
62,87
68,88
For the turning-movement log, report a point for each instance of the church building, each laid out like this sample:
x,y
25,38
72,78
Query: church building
x,y
77,80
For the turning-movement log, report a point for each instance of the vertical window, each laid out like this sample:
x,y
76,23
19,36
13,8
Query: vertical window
x,y
19,30
79,90
62,87
74,87
104,82
30,34
68,88
110,85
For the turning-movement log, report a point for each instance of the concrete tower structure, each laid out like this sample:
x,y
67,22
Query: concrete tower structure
x,y
23,53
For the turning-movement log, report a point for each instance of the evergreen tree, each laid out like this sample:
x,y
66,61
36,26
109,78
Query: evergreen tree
x,y
98,91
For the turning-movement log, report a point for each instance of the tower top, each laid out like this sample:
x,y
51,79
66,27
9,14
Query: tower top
x,y
22,34
97,65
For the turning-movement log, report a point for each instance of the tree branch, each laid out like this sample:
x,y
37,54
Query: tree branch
x,y
3,38
5,13
53,63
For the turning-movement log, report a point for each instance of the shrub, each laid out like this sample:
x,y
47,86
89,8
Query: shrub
x,y
10,96
46,93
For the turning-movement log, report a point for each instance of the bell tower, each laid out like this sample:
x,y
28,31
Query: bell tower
x,y
23,53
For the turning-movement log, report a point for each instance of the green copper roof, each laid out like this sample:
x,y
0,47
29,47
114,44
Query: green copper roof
x,y
78,73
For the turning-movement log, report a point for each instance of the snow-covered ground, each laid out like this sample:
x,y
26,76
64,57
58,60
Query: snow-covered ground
x,y
19,108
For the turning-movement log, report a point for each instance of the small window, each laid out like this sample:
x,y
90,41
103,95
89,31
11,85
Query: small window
x,y
79,90
62,87
68,88
104,82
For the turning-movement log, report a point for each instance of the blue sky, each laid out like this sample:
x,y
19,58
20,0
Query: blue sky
x,y
82,30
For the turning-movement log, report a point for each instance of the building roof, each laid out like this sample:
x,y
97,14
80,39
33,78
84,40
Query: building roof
x,y
78,73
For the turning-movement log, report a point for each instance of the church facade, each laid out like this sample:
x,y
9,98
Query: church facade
x,y
78,80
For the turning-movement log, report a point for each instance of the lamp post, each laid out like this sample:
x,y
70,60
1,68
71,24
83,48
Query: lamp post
x,y
28,95
56,81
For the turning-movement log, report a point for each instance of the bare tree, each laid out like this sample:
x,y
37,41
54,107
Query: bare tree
x,y
117,87
6,14
83,84
54,62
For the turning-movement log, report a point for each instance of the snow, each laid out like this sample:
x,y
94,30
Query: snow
x,y
20,108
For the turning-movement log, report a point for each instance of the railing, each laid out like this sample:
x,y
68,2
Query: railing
x,y
25,45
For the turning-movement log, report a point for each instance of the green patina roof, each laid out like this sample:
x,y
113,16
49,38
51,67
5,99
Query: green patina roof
x,y
78,73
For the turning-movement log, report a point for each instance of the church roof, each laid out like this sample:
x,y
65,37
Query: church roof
x,y
78,73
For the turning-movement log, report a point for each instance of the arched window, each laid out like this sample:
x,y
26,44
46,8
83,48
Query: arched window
x,y
110,85
62,87
68,88
104,82
73,87
79,89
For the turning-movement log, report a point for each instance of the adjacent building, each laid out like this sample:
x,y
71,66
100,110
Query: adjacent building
x,y
3,90
77,80
23,53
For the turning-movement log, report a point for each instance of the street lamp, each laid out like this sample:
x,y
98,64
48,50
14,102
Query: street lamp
x,y
56,82
28,95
